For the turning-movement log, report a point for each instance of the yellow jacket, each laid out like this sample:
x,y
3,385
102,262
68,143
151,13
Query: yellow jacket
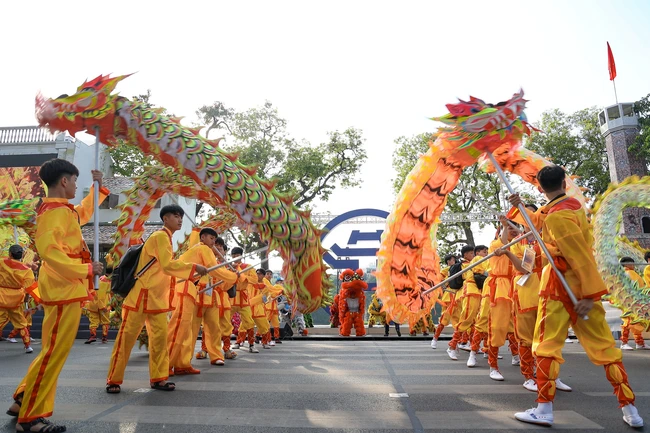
x,y
635,277
14,278
471,289
567,235
101,297
66,273
202,254
498,282
646,276
244,286
527,296
153,288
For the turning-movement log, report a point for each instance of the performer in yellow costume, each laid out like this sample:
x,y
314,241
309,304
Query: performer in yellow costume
x,y
567,234
241,303
64,281
631,323
148,303
192,307
15,278
99,308
452,308
271,308
260,290
481,324
471,299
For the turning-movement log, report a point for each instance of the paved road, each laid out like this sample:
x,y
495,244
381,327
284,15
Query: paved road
x,y
325,386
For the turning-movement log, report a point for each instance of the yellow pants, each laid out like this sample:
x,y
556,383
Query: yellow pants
x,y
471,306
14,315
97,318
525,327
499,322
246,316
274,320
262,324
179,333
225,323
38,387
481,324
132,323
211,331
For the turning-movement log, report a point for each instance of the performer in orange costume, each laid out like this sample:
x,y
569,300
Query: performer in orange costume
x,y
99,308
242,305
637,327
190,307
223,301
148,303
352,302
15,278
271,308
64,281
567,234
261,289
452,308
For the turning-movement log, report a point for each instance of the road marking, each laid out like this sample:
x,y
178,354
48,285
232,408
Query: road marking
x,y
398,395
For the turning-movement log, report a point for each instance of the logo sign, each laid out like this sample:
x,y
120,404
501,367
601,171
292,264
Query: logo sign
x,y
348,255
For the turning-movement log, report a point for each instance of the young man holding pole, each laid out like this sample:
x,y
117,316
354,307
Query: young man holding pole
x,y
567,235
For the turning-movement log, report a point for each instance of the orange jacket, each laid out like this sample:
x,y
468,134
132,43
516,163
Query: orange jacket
x,y
66,273
14,278
203,255
244,286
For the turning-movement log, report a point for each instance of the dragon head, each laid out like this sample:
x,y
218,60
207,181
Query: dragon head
x,y
92,105
475,115
353,282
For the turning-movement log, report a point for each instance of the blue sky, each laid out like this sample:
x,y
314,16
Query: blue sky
x,y
383,67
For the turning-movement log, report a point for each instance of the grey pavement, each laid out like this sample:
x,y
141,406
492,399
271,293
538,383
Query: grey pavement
x,y
325,386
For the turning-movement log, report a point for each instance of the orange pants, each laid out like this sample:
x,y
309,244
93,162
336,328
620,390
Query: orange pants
x,y
350,320
471,306
450,315
211,331
525,333
226,328
132,323
595,337
498,322
637,330
38,387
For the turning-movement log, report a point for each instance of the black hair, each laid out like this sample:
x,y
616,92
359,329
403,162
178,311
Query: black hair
x,y
533,205
466,249
173,209
208,231
646,256
237,250
479,248
626,260
449,257
550,177
16,252
261,271
220,242
109,270
53,170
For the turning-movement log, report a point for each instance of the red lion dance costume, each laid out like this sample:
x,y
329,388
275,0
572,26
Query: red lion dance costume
x,y
352,302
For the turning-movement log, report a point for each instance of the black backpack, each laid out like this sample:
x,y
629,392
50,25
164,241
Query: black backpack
x,y
480,280
125,276
456,283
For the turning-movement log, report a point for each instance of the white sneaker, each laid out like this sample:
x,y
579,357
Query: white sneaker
x,y
631,416
535,416
568,340
643,346
495,375
453,354
471,361
623,346
236,346
265,346
531,385
561,386
516,360
434,344
29,349
272,343
12,340
466,347
252,349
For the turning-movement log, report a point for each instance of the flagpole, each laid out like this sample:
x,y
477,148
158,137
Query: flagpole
x,y
96,208
615,95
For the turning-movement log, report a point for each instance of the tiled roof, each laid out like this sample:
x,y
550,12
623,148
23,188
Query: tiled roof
x,y
118,184
106,233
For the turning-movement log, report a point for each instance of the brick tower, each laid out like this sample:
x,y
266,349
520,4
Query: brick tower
x,y
620,126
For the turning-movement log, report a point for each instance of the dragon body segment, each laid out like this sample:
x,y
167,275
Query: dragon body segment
x,y
218,174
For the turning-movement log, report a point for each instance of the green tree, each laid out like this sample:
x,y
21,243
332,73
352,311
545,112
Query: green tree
x,y
474,183
642,143
574,142
259,136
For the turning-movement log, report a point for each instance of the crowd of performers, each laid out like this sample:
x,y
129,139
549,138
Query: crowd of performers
x,y
510,297
191,288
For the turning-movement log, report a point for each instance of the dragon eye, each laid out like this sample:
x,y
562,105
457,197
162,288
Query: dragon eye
x,y
347,278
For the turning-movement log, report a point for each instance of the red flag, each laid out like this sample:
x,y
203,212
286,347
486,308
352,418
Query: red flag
x,y
610,63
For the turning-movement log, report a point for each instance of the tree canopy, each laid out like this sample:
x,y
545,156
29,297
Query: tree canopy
x,y
642,143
